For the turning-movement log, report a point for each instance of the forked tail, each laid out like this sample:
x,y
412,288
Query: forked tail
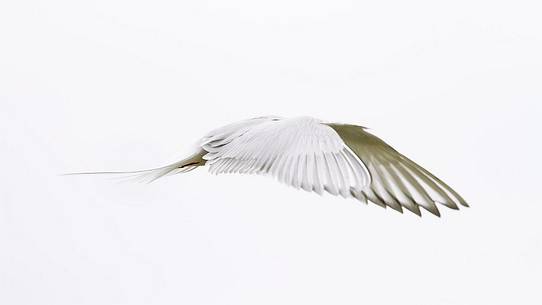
x,y
149,175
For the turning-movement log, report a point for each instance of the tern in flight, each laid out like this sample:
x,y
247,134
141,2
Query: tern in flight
x,y
318,156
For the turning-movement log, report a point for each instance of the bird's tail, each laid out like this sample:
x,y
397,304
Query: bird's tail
x,y
149,175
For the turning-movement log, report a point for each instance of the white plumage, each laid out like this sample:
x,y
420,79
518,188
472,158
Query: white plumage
x,y
301,152
317,156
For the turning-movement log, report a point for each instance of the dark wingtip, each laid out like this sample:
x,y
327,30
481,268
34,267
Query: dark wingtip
x,y
434,211
449,205
416,212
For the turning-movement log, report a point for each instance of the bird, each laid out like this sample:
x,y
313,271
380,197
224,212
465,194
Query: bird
x,y
317,156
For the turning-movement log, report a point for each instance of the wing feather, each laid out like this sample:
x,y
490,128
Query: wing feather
x,y
396,181
302,152
342,160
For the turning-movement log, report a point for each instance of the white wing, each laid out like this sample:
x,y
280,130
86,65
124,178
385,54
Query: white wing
x,y
301,152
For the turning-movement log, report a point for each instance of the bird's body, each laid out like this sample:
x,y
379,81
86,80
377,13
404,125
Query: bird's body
x,y
315,156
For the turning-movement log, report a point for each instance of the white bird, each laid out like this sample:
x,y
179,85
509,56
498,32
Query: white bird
x,y
317,156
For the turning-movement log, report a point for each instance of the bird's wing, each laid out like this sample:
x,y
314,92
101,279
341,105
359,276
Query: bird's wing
x,y
396,181
302,152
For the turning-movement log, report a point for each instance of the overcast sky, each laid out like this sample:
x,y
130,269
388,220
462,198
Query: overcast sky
x,y
124,85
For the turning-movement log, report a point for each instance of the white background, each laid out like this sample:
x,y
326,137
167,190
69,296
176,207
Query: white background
x,y
120,85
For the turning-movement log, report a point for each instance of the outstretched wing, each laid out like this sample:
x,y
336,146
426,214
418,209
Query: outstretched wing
x,y
302,152
396,181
